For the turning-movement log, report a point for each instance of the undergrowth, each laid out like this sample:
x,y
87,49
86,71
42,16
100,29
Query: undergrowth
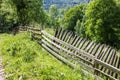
x,y
24,59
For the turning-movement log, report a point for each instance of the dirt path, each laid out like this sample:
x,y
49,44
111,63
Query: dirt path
x,y
2,75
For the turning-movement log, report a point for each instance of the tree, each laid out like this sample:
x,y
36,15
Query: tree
x,y
53,13
72,15
30,11
8,15
21,12
103,21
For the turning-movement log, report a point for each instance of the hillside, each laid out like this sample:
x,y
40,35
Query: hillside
x,y
24,59
62,3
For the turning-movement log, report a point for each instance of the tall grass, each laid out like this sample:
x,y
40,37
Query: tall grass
x,y
24,59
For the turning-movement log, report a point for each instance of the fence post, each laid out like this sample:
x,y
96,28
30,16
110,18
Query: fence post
x,y
41,36
96,65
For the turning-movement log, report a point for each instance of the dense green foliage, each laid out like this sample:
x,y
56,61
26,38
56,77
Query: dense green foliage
x,y
79,28
72,16
29,11
24,59
103,21
21,12
53,14
8,15
99,21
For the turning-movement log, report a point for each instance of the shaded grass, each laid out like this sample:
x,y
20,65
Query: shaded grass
x,y
24,59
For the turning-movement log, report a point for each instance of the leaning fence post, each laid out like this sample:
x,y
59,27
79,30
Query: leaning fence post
x,y
96,65
41,36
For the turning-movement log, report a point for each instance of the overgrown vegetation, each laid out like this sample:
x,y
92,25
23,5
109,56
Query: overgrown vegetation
x,y
103,22
14,13
24,59
98,20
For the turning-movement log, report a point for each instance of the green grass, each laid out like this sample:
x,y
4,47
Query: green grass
x,y
24,59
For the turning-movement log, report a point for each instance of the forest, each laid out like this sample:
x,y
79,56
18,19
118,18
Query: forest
x,y
24,59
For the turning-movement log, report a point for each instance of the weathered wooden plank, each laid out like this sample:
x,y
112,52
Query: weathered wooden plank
x,y
96,49
68,42
89,46
68,45
105,57
112,78
78,43
67,36
60,48
63,49
59,57
82,43
110,58
117,62
92,48
114,69
107,54
58,34
73,39
37,33
64,36
113,63
61,34
99,52
110,69
104,52
85,45
76,40
81,46
36,37
116,65
34,29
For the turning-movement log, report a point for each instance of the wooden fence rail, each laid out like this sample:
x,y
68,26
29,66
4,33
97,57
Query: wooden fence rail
x,y
99,59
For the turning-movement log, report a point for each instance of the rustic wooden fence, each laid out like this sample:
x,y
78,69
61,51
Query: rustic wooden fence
x,y
98,59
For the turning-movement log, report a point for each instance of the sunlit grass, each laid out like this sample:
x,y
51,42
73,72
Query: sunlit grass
x,y
24,59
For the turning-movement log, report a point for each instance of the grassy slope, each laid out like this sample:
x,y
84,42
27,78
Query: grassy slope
x,y
24,59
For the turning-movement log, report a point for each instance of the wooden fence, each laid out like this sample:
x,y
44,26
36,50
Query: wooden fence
x,y
98,59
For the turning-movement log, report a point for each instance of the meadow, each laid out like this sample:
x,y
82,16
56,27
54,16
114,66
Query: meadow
x,y
24,59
